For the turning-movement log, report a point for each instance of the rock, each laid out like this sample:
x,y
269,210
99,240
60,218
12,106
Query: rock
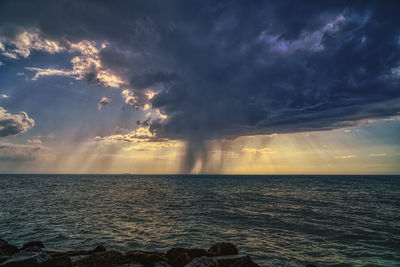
x,y
130,265
58,261
146,258
179,257
78,253
223,248
227,260
73,253
98,249
75,259
161,264
203,262
311,265
26,259
106,258
7,249
244,262
33,244
3,258
33,249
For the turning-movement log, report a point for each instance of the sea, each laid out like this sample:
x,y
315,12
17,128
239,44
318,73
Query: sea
x,y
345,220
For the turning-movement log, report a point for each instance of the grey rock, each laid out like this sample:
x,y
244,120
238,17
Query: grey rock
x,y
106,258
203,262
131,265
33,244
227,260
161,264
26,258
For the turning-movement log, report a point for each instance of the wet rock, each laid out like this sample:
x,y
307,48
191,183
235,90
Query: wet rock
x,y
107,258
33,249
130,265
98,249
227,260
75,259
78,253
311,265
161,264
203,262
146,258
179,257
7,249
58,261
33,244
3,258
26,259
73,253
244,262
223,248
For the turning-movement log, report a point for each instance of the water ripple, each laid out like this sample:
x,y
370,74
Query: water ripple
x,y
278,220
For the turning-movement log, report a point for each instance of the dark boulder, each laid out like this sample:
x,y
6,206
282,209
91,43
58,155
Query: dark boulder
x,y
203,262
161,264
26,259
311,265
223,248
134,264
145,258
58,261
179,257
228,260
244,262
33,249
106,258
3,258
97,249
33,244
7,249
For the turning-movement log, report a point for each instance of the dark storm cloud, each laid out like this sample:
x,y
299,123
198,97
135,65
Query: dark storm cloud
x,y
230,68
146,80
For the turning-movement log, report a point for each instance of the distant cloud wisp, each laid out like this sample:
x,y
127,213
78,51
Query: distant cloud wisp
x,y
103,101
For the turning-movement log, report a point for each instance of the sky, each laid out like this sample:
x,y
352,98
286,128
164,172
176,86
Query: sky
x,y
227,87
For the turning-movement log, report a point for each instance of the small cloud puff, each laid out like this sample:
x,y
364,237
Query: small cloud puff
x,y
104,101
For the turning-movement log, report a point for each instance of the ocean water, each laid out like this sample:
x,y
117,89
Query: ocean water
x,y
277,220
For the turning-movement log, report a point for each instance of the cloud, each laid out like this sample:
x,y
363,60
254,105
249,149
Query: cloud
x,y
312,41
103,101
345,157
86,65
21,152
2,96
12,124
146,80
377,155
264,150
141,134
26,41
225,69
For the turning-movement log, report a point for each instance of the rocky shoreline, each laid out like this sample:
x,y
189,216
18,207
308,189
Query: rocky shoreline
x,y
35,253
